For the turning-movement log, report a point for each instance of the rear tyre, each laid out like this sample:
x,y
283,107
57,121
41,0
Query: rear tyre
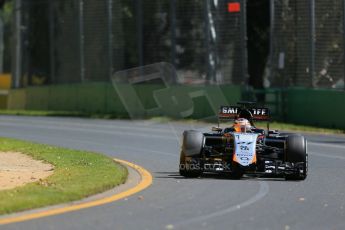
x,y
296,153
189,170
191,148
192,143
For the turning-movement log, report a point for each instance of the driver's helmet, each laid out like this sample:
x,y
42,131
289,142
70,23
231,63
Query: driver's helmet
x,y
241,125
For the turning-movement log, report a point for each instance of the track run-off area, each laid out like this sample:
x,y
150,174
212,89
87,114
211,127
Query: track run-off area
x,y
173,202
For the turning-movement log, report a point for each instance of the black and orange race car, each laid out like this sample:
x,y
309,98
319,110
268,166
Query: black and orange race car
x,y
242,148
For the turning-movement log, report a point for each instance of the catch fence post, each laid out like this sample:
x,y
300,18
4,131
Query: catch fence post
x,y
272,21
344,42
17,60
173,32
312,39
81,40
243,31
52,41
139,13
207,37
110,37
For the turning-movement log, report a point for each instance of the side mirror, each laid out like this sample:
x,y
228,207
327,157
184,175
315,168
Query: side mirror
x,y
216,129
273,132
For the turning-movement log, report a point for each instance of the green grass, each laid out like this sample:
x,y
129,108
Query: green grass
x,y
40,113
273,125
299,128
304,128
263,125
57,113
77,174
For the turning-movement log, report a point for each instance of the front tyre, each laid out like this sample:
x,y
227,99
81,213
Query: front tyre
x,y
236,171
296,153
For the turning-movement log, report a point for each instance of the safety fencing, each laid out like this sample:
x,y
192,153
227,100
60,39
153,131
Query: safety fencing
x,y
307,44
73,41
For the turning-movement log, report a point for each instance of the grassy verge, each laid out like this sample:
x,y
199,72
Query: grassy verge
x,y
303,128
57,114
273,125
299,128
77,174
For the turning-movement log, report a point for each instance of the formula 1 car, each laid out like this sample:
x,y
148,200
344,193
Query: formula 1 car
x,y
250,150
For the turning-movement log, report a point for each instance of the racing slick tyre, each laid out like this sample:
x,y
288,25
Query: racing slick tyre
x,y
189,170
236,171
192,143
296,153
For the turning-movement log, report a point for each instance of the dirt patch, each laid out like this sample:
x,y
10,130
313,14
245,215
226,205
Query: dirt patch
x,y
17,169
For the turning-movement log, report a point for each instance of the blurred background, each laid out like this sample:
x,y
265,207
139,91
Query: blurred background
x,y
287,54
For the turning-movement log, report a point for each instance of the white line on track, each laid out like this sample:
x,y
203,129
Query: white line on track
x,y
116,147
327,155
327,145
135,125
263,191
170,137
113,132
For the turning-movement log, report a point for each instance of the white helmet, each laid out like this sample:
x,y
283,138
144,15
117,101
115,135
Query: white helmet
x,y
241,125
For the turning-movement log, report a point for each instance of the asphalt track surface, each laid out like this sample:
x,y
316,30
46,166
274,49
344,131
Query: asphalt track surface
x,y
173,202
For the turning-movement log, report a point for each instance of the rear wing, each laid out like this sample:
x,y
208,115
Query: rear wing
x,y
252,114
